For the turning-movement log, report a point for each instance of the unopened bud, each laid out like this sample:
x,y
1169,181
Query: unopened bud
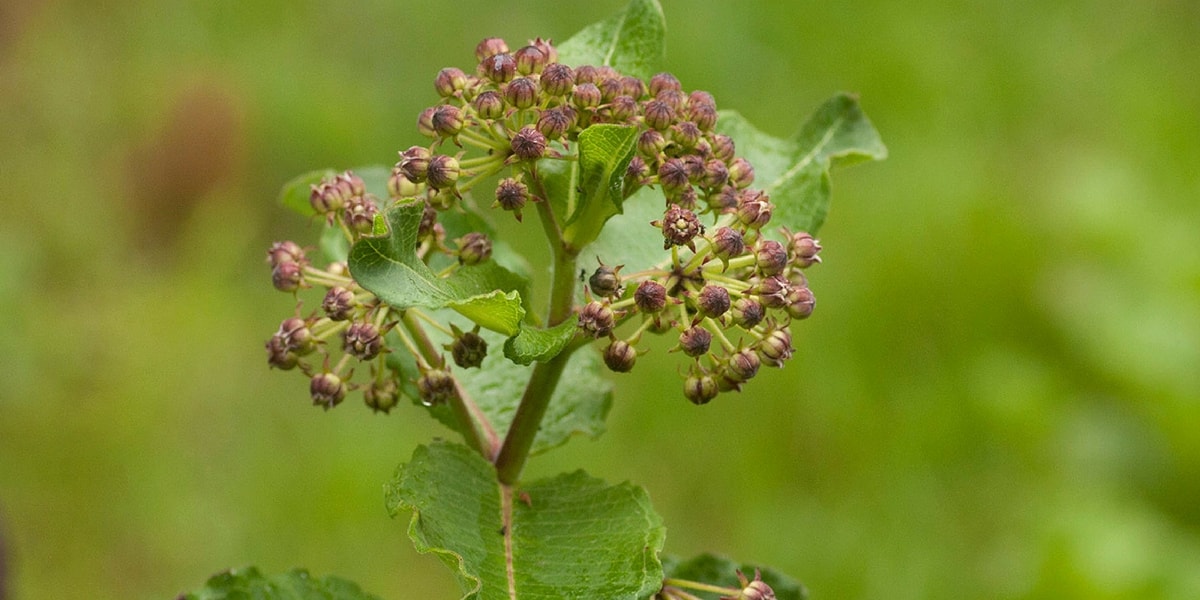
x,y
414,163
713,301
449,81
359,214
776,347
804,249
585,95
468,349
362,340
650,143
722,147
741,173
327,390
473,248
528,143
436,386
500,68
555,122
287,251
801,304
521,92
650,296
620,356
547,48
715,174
686,134
382,395
447,120
673,176
287,276
728,243
490,47
596,319
700,388
279,356
339,303
659,115
695,340
557,79
754,209
747,312
489,105
530,60
511,195
743,364
771,257
443,172
663,81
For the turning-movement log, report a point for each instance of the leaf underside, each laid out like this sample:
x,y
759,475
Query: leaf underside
x,y
250,584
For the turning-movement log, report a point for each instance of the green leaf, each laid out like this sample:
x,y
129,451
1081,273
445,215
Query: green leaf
x,y
795,172
249,584
604,155
389,268
533,344
295,193
718,570
334,245
628,238
632,41
572,536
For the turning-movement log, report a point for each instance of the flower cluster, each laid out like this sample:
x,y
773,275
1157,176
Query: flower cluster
x,y
725,289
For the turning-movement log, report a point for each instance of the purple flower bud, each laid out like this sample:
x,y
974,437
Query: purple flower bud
x,y
400,186
557,79
686,134
650,143
339,303
435,387
620,356
804,249
700,388
468,349
596,319
728,243
747,312
658,115
632,87
704,117
673,98
722,147
528,143
715,174
623,109
650,296
286,251
776,347
382,395
694,164
362,340
443,172
637,172
673,176
802,303
741,173
701,98
449,81
723,201
489,105
530,60
425,123
547,48
327,390
754,209
359,214
555,122
585,95
428,222
664,81
609,89
605,281
521,92
332,193
679,227
713,301
490,47
279,356
770,257
743,364
499,68
754,590
695,340
473,248
587,74
414,163
447,120
287,276
773,291
511,195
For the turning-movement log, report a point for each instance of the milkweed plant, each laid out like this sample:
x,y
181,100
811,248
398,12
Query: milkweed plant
x,y
664,216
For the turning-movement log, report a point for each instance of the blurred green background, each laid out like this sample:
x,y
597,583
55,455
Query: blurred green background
x,y
998,397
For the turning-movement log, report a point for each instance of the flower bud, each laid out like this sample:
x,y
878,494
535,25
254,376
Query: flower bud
x,y
339,303
449,81
650,296
700,388
557,79
382,395
773,291
425,228
743,364
623,109
330,195
754,209
596,319
637,171
695,340
443,172
679,227
801,304
713,301
587,74
279,356
672,176
659,115
286,251
673,98
473,248
585,95
529,60
770,257
435,387
605,281
425,123
620,356
287,276
489,105
468,349
555,123
609,90
741,173
723,201
547,48
663,81
521,92
753,590
362,340
747,312
447,120
633,87
686,134
359,214
499,68
776,347
722,147
528,143
327,390
804,249
338,268
694,165
728,243
715,174
490,47
400,186
511,195
414,163
704,117
650,143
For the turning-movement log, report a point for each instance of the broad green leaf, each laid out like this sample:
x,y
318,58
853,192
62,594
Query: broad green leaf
x,y
718,570
628,238
334,245
579,405
572,536
249,584
533,344
389,267
295,193
604,155
795,172
632,41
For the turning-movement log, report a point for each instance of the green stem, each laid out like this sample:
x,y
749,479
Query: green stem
x,y
703,587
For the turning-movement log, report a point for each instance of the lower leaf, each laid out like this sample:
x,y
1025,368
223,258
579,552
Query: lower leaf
x,y
238,584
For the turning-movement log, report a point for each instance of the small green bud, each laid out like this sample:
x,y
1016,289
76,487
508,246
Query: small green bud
x,y
473,248
382,395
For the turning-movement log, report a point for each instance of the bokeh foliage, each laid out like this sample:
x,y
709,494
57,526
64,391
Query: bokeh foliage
x,y
997,396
